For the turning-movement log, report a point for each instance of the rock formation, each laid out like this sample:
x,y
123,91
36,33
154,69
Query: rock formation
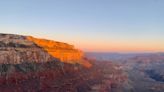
x,y
29,64
15,49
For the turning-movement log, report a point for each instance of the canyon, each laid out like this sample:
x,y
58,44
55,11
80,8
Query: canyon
x,y
29,64
145,71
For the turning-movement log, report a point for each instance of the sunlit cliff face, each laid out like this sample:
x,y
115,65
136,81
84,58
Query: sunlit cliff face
x,y
64,52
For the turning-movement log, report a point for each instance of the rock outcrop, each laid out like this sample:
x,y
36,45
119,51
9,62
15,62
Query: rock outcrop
x,y
15,49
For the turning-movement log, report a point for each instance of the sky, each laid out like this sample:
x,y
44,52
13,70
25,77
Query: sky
x,y
90,25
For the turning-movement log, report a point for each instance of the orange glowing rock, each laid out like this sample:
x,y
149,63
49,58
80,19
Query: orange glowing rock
x,y
64,52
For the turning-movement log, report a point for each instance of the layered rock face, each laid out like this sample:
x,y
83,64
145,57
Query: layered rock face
x,y
62,51
15,49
